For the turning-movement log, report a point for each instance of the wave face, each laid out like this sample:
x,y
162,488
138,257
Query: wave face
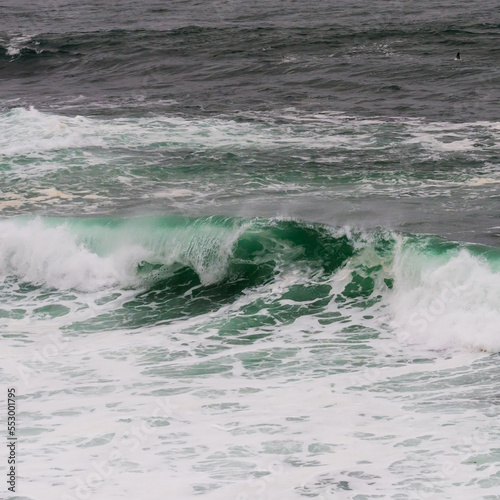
x,y
438,294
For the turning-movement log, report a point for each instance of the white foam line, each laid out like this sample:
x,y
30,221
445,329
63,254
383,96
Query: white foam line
x,y
49,132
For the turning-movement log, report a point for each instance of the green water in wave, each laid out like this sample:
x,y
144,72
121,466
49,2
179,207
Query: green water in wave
x,y
160,270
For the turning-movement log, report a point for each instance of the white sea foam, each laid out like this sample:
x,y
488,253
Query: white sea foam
x,y
244,436
51,256
447,302
431,141
45,132
17,43
319,131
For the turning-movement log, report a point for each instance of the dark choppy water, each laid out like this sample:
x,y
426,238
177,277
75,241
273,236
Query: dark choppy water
x,y
250,251
379,58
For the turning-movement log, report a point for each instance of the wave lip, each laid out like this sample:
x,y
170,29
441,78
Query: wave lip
x,y
88,254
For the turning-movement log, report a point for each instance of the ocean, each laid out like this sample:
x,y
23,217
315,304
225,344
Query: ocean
x,y
250,250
